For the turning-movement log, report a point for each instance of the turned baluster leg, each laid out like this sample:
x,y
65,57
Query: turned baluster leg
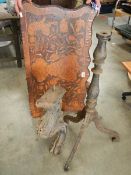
x,y
93,92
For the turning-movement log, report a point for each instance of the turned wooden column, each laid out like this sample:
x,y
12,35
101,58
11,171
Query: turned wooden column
x,y
99,58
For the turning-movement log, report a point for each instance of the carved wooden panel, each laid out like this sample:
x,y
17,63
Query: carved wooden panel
x,y
56,44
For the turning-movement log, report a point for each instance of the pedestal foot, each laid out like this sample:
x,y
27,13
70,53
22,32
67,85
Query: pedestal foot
x,y
99,125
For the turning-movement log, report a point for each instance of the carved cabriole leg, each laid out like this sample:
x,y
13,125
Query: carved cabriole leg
x,y
99,125
91,102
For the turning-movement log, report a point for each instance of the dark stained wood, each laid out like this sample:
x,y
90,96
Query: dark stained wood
x,y
56,44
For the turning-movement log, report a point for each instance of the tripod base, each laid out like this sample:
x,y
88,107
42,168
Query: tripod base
x,y
99,125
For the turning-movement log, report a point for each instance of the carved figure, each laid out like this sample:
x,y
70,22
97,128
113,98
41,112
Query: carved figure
x,y
52,123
